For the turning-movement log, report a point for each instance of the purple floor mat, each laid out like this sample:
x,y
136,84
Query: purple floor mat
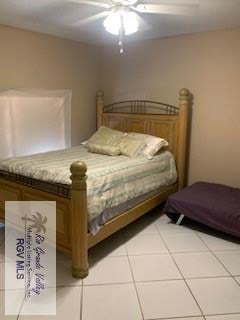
x,y
214,205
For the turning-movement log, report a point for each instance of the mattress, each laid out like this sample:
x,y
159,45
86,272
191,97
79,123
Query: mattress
x,y
111,182
214,205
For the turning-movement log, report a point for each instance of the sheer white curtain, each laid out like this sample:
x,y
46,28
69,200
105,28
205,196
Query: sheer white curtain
x,y
34,121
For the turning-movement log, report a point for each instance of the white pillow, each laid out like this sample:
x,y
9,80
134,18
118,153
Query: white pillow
x,y
84,143
153,144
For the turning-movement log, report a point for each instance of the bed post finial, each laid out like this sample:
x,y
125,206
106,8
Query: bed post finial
x,y
79,220
184,104
184,95
100,105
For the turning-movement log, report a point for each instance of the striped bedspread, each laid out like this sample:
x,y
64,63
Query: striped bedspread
x,y
111,180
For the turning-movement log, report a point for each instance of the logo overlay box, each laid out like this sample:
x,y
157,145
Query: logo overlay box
x,y
30,257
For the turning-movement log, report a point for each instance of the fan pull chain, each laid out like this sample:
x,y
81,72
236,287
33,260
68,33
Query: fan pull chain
x,y
121,33
120,45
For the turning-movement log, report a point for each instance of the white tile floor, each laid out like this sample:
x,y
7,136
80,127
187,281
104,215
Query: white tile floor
x,y
152,269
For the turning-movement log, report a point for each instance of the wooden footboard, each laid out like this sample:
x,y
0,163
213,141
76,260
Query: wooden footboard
x,y
11,191
72,217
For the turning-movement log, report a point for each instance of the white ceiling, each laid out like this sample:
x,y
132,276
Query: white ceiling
x,y
61,18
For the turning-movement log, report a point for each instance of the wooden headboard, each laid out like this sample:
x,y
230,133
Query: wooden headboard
x,y
150,117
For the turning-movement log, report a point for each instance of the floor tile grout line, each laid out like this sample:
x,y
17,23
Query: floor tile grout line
x,y
162,253
202,313
81,304
148,281
20,309
171,254
134,282
47,287
213,252
190,317
217,237
222,314
107,284
177,318
229,275
156,253
127,282
135,287
234,279
195,299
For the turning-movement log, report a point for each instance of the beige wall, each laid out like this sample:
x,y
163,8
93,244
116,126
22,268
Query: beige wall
x,y
34,60
209,65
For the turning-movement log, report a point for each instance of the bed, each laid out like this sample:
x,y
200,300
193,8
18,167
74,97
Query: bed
x,y
79,227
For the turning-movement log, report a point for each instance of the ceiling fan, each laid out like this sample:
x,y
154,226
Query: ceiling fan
x,y
123,17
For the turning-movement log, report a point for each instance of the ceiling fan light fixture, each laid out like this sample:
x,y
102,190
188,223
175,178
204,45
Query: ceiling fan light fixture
x,y
141,8
112,23
118,19
130,23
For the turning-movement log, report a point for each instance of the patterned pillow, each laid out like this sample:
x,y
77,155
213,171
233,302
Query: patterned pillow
x,y
152,144
106,136
131,147
104,149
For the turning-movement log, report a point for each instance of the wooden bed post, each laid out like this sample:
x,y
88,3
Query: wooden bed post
x,y
79,220
184,103
100,105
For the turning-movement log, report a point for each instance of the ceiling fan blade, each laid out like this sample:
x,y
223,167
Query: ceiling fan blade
x,y
93,3
176,2
124,2
92,18
166,9
144,26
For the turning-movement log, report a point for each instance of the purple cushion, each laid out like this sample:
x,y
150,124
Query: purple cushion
x,y
215,205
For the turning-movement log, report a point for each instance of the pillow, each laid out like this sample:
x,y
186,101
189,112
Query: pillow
x,y
104,149
84,143
152,144
106,136
131,147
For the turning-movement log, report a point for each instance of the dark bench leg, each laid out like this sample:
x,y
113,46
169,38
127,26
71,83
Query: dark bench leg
x,y
180,219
